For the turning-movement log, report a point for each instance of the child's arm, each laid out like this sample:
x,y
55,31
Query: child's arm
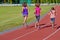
x,y
40,10
49,13
55,12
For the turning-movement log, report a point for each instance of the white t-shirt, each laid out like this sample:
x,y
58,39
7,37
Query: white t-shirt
x,y
52,14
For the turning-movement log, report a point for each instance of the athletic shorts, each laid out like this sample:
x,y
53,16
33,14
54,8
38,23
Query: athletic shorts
x,y
38,18
25,15
53,19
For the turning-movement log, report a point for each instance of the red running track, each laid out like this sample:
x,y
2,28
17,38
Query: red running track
x,y
44,33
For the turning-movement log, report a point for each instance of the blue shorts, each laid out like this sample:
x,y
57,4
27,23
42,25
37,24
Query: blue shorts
x,y
53,19
38,18
25,15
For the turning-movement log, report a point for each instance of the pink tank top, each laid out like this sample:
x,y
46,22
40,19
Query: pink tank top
x,y
37,11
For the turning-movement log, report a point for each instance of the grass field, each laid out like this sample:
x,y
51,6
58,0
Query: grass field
x,y
11,17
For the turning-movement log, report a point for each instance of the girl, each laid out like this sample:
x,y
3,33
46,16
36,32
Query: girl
x,y
37,14
25,13
52,16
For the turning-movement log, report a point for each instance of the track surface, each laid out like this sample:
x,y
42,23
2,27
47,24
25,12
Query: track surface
x,y
44,33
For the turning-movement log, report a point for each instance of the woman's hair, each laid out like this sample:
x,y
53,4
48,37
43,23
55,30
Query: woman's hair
x,y
24,4
52,8
37,4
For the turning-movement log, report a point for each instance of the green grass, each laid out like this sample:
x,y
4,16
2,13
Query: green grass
x,y
11,17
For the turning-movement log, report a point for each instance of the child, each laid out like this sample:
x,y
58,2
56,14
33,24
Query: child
x,y
25,13
52,14
37,14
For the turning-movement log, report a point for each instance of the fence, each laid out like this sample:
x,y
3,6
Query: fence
x,y
28,1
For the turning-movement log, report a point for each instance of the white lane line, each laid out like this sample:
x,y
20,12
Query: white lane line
x,y
25,34
51,34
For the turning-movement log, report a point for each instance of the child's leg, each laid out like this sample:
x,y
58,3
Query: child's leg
x,y
24,22
25,18
53,22
37,23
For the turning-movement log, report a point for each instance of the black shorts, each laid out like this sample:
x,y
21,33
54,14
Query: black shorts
x,y
38,18
53,19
